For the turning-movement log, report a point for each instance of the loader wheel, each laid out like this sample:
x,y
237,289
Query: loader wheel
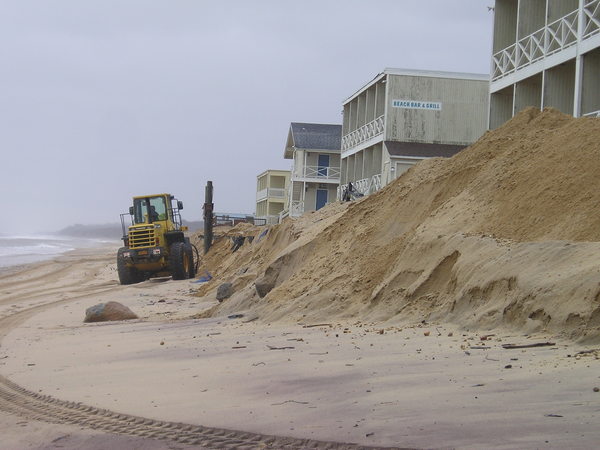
x,y
179,261
190,252
127,275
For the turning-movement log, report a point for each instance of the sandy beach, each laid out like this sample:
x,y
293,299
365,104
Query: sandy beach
x,y
424,385
458,307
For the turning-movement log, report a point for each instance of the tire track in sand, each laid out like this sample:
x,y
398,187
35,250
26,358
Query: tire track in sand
x,y
19,401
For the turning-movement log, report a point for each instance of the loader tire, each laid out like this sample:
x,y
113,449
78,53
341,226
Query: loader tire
x,y
190,252
179,261
127,275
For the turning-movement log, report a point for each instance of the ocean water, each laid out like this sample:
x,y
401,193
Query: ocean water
x,y
17,250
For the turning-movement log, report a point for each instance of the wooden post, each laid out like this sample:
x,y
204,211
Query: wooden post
x,y
208,216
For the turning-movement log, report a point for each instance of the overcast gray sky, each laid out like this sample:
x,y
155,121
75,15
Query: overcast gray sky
x,y
101,100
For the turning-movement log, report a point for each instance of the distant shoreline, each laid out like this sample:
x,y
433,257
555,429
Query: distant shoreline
x,y
108,231
23,251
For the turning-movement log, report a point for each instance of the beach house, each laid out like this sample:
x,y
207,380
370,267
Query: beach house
x,y
403,116
546,53
271,195
314,149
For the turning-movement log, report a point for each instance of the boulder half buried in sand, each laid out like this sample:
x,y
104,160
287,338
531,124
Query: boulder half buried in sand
x,y
224,291
104,312
271,278
265,284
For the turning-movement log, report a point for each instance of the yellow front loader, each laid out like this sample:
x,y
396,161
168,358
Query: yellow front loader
x,y
154,241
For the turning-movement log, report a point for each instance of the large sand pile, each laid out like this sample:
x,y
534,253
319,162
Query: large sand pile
x,y
503,234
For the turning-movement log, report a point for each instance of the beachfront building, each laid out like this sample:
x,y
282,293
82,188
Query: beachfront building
x,y
404,116
546,53
271,195
314,149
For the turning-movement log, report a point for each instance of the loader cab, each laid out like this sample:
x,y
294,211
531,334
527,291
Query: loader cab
x,y
149,209
158,212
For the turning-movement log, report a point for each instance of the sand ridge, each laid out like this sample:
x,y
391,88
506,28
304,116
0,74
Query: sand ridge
x,y
504,234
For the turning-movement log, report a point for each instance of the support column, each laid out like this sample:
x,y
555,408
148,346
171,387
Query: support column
x,y
543,103
208,216
579,62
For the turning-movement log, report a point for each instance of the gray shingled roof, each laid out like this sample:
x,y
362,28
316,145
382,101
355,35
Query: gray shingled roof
x,y
316,136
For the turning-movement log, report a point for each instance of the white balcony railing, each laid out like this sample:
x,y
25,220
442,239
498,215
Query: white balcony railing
x,y
562,33
270,193
296,208
365,186
504,62
266,220
283,214
321,172
591,10
362,134
554,37
261,195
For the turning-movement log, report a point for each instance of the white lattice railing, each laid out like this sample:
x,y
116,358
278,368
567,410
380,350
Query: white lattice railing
x,y
283,214
531,48
267,220
323,173
505,62
361,186
365,186
362,134
562,33
556,36
591,10
376,182
296,208
270,192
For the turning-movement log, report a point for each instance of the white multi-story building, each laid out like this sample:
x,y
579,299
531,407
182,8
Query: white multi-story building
x,y
404,116
546,53
272,188
315,175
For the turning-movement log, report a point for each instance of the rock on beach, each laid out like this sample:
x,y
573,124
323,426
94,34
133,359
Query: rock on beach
x,y
224,291
110,311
